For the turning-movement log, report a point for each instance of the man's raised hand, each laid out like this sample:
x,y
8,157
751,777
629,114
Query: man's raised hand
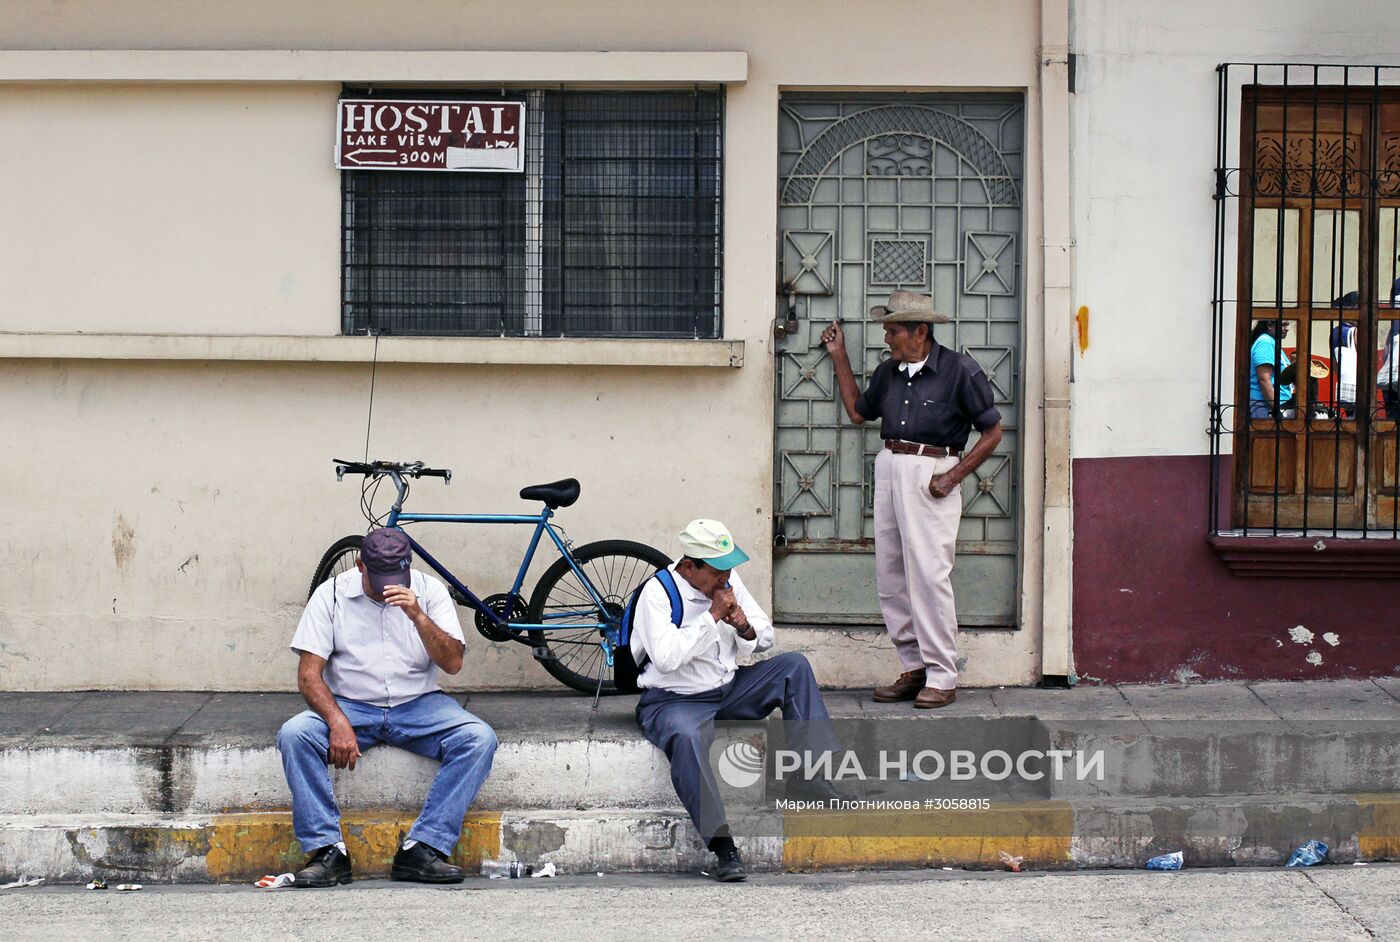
x,y
834,338
722,603
401,596
740,621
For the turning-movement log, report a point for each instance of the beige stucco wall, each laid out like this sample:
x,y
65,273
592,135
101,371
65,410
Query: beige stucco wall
x,y
168,513
1144,159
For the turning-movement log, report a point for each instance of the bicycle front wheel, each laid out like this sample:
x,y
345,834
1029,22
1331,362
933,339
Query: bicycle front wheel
x,y
615,568
339,558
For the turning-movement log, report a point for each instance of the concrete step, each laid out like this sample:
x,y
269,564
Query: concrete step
x,y
173,786
1247,831
141,753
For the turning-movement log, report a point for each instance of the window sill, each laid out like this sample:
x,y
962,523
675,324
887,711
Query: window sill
x,y
504,351
1316,557
335,66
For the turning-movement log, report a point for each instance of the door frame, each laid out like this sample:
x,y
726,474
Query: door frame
x,y
1043,648
902,100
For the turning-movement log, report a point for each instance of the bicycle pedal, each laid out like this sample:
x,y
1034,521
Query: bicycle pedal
x,y
543,653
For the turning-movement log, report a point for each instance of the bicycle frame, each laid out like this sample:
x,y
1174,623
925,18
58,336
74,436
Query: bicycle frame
x,y
542,526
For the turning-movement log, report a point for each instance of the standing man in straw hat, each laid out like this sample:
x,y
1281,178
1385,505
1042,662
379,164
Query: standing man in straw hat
x,y
927,398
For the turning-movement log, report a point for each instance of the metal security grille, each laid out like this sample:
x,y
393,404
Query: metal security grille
x,y
614,229
1305,372
879,192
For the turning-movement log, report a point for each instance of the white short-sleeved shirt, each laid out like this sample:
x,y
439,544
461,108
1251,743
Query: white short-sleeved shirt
x,y
700,654
373,652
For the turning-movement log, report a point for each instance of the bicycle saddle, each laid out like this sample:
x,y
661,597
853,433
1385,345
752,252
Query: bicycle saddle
x,y
558,494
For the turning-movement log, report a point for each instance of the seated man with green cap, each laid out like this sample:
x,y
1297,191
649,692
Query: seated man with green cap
x,y
690,677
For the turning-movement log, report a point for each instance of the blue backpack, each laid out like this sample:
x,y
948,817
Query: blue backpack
x,y
625,667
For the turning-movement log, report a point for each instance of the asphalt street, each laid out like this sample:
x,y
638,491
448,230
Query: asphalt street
x,y
1320,903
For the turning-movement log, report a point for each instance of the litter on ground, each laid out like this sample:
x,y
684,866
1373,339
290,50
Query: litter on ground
x,y
23,881
1308,854
1172,861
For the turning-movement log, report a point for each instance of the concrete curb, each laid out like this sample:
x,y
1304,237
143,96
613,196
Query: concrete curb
x,y
210,780
1253,831
547,773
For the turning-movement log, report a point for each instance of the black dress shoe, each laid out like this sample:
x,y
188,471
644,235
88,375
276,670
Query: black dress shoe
x,y
423,864
815,789
731,867
327,867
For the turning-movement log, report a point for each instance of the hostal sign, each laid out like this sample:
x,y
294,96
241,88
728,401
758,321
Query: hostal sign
x,y
379,134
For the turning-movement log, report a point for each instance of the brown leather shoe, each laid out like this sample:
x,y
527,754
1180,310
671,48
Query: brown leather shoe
x,y
907,687
931,698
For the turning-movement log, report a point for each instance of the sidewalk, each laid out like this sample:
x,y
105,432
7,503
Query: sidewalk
x,y
1338,904
188,787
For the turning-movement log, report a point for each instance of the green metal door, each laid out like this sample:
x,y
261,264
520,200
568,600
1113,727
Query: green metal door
x,y
878,193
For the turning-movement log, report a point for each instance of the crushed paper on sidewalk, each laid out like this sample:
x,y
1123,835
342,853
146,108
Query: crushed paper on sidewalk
x,y
275,881
23,881
1012,863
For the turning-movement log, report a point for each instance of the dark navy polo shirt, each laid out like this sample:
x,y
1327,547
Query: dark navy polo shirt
x,y
938,406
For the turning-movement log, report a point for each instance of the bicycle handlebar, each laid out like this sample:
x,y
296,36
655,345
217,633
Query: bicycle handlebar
x,y
412,469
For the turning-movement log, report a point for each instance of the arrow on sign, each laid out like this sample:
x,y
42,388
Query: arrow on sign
x,y
354,157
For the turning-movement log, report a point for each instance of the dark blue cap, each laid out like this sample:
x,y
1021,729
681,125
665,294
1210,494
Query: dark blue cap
x,y
387,556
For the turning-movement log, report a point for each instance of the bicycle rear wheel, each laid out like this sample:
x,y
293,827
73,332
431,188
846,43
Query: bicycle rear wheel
x,y
339,558
615,568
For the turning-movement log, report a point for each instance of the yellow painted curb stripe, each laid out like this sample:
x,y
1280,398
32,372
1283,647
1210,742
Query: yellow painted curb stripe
x,y
1379,835
246,846
1041,832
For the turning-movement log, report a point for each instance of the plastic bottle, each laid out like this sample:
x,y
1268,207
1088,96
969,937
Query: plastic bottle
x,y
503,869
1172,861
1312,852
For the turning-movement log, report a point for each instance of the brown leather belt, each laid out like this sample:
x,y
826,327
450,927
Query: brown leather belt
x,y
914,448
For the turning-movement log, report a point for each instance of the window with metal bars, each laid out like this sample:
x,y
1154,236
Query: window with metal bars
x,y
613,230
1305,403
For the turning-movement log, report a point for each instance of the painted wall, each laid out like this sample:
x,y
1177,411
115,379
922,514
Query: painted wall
x,y
1144,137
169,514
1152,603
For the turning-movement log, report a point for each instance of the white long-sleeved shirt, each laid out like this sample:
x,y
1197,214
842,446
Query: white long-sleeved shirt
x,y
701,654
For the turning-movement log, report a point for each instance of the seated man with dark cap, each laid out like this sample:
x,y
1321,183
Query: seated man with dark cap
x,y
371,641
690,676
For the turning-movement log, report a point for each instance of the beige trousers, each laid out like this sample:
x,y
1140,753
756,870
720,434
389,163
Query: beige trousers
x,y
915,538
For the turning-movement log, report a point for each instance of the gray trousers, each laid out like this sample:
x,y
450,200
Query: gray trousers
x,y
682,726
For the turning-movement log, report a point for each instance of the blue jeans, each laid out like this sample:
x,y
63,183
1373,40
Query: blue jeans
x,y
433,725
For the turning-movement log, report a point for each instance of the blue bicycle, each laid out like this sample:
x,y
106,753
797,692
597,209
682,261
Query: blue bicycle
x,y
572,618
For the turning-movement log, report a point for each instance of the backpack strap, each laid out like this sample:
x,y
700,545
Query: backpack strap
x,y
625,667
668,582
673,593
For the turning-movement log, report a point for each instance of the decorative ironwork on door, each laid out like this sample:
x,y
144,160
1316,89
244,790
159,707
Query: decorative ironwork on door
x,y
877,194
